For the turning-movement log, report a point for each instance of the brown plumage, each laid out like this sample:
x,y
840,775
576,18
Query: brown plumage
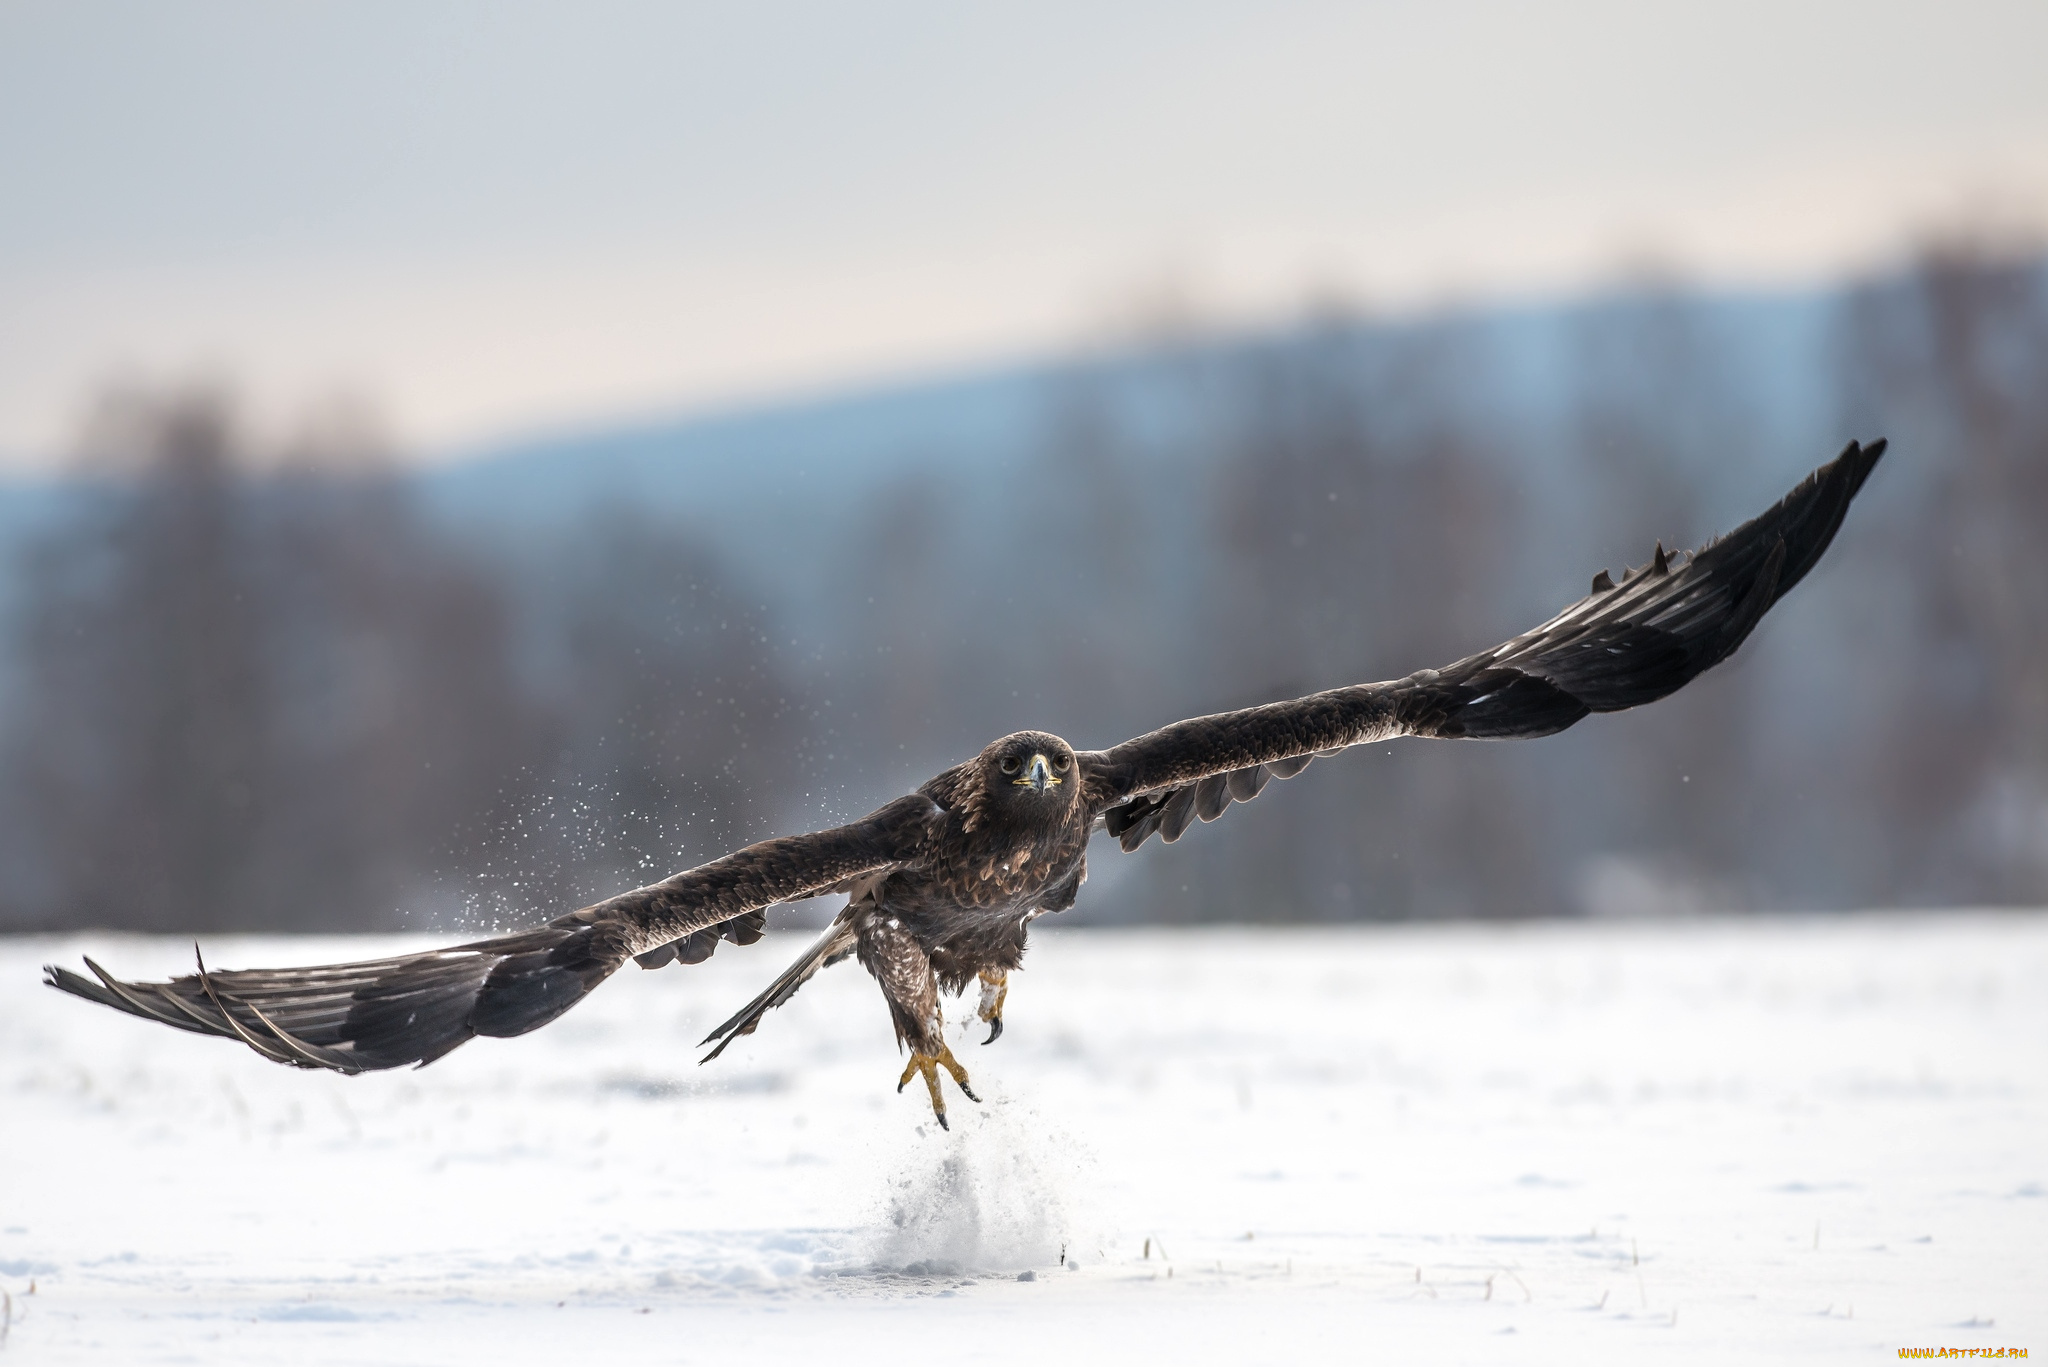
x,y
942,884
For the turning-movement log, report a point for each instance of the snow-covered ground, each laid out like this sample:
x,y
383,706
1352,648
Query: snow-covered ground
x,y
1791,1140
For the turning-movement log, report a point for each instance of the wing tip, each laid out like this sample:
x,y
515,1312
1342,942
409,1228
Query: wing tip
x,y
1859,458
1811,514
249,1006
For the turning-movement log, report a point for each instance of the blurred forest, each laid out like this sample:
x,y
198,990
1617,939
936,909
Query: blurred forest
x,y
263,686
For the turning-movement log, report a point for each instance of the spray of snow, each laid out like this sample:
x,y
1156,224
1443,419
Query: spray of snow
x,y
997,1193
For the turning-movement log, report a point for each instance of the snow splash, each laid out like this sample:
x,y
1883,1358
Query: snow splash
x,y
996,1194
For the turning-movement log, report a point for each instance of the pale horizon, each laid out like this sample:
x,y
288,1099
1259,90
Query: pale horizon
x,y
491,222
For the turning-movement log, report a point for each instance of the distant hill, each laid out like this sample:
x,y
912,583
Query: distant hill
x,y
776,484
780,488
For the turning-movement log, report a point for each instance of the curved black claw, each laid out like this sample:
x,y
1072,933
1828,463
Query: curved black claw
x,y
968,1092
995,1031
940,1116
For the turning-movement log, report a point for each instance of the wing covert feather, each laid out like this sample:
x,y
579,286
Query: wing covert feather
x,y
782,870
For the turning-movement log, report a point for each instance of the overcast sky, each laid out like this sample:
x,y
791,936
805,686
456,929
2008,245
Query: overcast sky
x,y
494,217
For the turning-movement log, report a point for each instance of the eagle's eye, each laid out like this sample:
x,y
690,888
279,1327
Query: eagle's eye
x,y
1011,764
1063,762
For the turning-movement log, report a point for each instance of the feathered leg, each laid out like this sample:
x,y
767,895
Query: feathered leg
x,y
904,972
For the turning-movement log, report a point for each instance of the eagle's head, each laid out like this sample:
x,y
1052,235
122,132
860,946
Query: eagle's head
x,y
1031,774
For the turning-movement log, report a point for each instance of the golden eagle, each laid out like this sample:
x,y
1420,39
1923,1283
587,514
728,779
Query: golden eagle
x,y
944,883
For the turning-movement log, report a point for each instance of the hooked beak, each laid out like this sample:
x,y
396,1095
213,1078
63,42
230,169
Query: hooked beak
x,y
1038,774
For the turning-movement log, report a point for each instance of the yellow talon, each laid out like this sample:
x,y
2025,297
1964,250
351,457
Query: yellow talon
x,y
952,1065
929,1065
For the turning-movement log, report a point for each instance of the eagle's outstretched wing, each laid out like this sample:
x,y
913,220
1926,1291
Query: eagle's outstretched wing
x,y
1623,645
413,1009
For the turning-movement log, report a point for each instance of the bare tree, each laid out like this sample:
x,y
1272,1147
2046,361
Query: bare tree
x,y
677,732
1655,412
245,700
1359,532
1954,360
141,730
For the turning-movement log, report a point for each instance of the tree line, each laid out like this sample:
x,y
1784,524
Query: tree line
x,y
258,686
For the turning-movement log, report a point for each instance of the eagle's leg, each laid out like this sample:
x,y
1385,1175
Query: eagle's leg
x,y
995,988
929,1065
899,962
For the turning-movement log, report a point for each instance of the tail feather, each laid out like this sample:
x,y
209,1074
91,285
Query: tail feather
x,y
836,944
380,1013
